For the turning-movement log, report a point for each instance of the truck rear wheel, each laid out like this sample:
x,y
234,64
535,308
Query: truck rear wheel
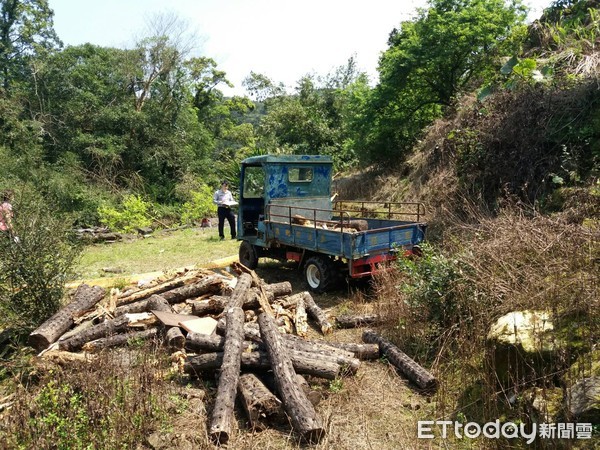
x,y
248,255
319,273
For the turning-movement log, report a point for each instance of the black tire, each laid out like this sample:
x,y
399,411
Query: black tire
x,y
319,273
248,255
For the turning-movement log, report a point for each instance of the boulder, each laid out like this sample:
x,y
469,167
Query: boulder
x,y
522,346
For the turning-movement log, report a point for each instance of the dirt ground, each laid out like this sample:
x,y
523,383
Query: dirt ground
x,y
375,409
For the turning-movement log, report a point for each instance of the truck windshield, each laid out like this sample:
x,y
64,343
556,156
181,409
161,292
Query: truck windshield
x,y
254,182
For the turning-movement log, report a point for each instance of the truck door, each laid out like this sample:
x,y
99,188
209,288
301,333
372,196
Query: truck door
x,y
252,204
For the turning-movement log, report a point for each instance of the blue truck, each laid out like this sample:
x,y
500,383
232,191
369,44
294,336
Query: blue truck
x,y
286,212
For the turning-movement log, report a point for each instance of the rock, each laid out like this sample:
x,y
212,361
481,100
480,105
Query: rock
x,y
144,231
583,400
525,346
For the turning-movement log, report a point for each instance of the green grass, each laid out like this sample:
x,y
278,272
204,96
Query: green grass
x,y
161,251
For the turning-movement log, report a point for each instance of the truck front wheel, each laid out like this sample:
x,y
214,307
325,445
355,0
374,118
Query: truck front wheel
x,y
248,255
319,273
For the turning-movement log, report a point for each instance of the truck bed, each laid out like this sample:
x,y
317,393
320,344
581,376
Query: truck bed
x,y
384,235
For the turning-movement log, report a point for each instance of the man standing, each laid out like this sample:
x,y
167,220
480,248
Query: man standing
x,y
224,201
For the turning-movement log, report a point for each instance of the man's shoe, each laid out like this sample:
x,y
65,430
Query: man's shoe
x,y
222,238
233,237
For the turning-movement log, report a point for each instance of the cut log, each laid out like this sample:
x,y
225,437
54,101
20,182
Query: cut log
x,y
258,360
65,358
158,303
300,321
213,305
301,411
222,415
175,338
259,402
106,328
85,298
347,321
146,293
204,286
240,293
308,345
213,343
360,351
278,289
317,314
154,303
413,371
120,339
348,365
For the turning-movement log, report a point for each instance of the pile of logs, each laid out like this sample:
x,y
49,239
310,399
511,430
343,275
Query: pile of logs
x,y
251,333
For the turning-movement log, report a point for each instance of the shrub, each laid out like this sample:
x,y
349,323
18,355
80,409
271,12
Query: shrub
x,y
199,206
133,215
37,258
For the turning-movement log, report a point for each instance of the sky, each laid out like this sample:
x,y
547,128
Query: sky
x,y
282,39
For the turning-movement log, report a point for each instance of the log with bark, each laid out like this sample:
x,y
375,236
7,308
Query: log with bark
x,y
348,321
120,339
205,285
260,404
317,314
198,342
106,328
222,415
306,354
85,298
360,351
174,338
259,360
278,289
154,303
158,289
410,368
301,411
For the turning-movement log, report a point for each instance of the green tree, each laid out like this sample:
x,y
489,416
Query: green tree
x,y
26,30
447,48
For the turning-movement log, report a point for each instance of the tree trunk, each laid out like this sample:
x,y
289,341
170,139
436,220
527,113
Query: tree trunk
x,y
85,298
145,293
298,407
259,360
295,342
154,303
347,365
347,321
213,343
360,351
204,286
104,329
175,338
119,339
259,402
278,289
317,314
213,305
222,416
413,371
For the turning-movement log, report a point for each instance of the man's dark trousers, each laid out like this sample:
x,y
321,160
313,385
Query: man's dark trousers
x,y
226,213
